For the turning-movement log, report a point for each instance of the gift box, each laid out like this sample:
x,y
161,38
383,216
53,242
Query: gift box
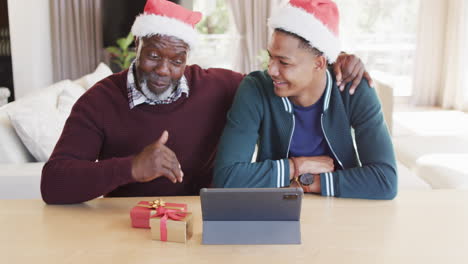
x,y
172,227
140,214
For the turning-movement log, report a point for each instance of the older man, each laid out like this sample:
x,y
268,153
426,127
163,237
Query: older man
x,y
151,130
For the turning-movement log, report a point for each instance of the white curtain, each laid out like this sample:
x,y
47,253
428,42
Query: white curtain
x,y
250,19
76,37
440,75
455,74
429,52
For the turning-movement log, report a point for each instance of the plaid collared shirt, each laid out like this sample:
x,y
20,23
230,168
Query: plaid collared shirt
x,y
135,97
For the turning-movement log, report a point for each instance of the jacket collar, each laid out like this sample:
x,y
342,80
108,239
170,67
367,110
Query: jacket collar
x,y
288,105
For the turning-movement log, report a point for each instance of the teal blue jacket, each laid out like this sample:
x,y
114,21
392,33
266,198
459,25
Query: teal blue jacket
x,y
353,126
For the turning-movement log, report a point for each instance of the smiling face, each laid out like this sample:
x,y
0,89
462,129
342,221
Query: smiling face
x,y
294,68
160,62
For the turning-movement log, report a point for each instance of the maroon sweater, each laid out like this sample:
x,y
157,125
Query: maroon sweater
x,y
102,135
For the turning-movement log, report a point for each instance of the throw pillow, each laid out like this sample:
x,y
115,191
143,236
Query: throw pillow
x,y
68,97
101,72
38,123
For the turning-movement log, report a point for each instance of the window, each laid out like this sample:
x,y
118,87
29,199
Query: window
x,y
217,35
383,34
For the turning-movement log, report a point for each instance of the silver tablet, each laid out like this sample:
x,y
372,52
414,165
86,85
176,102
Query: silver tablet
x,y
251,216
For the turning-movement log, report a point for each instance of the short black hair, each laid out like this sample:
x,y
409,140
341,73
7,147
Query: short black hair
x,y
303,43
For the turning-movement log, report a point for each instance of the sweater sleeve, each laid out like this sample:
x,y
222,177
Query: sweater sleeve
x,y
73,174
376,178
233,166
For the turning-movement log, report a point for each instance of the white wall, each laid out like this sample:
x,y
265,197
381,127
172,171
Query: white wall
x,y
31,48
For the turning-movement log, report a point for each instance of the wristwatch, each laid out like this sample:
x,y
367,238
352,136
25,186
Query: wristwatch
x,y
306,179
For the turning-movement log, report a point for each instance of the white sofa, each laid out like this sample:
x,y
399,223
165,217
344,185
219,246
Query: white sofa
x,y
29,129
433,144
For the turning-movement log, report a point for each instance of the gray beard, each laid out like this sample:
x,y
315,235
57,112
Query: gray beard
x,y
156,97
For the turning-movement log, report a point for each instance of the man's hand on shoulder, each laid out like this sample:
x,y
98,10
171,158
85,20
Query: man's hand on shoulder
x,y
349,68
157,160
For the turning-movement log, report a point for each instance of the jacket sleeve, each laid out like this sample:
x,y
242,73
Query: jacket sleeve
x,y
233,166
73,174
376,178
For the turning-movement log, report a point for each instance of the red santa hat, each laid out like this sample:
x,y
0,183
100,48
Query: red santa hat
x,y
161,17
316,21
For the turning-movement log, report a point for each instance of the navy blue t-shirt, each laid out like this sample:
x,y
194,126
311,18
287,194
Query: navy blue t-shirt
x,y
308,139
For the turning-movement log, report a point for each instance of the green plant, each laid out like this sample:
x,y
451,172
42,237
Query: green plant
x,y
216,19
122,55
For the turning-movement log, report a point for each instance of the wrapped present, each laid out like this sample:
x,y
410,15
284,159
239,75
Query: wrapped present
x,y
140,214
171,225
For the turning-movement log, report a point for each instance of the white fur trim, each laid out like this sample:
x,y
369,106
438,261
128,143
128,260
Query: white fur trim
x,y
146,25
300,22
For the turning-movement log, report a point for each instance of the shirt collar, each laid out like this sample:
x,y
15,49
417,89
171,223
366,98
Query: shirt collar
x,y
135,97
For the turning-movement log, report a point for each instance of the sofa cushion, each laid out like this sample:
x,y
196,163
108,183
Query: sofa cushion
x,y
444,171
439,160
407,180
38,123
37,119
433,144
12,150
101,72
68,97
411,148
21,181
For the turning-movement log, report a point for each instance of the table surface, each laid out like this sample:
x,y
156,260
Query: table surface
x,y
416,227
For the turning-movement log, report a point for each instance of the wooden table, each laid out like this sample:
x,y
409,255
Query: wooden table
x,y
416,227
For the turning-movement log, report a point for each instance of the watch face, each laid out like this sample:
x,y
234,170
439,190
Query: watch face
x,y
306,179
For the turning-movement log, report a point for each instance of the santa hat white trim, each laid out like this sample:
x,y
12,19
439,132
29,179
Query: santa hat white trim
x,y
147,25
298,21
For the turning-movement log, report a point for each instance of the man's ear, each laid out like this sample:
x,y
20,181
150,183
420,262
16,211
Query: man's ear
x,y
320,63
137,42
